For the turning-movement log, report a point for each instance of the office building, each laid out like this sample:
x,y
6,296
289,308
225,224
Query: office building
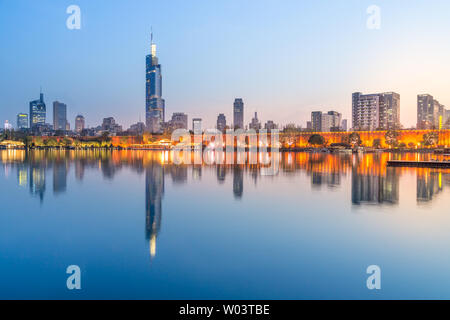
x,y
221,123
7,125
110,125
376,111
59,116
270,125
154,104
427,112
255,124
238,114
179,121
22,121
335,121
316,121
344,125
80,123
38,111
197,125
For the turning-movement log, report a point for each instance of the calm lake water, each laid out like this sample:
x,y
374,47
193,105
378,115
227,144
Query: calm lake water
x,y
141,227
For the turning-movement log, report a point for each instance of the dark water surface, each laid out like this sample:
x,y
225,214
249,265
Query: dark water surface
x,y
141,227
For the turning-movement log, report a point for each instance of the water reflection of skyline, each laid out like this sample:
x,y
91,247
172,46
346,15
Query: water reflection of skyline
x,y
371,181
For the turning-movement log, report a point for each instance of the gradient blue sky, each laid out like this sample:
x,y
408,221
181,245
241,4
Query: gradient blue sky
x,y
284,58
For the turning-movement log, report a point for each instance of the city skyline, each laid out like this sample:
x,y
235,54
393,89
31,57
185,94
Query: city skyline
x,y
303,84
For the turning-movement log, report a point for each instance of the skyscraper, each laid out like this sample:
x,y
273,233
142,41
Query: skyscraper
x,y
22,121
59,116
336,119
255,124
427,112
238,114
38,111
179,121
197,125
316,121
344,125
79,123
221,122
154,104
377,110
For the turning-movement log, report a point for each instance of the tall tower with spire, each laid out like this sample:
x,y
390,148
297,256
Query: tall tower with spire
x,y
154,104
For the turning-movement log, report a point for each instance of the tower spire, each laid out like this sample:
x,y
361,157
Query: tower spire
x,y
151,34
152,46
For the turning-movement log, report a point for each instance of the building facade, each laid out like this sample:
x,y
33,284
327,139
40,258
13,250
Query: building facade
x,y
427,112
59,116
179,121
197,125
154,104
22,121
255,124
221,123
376,111
316,121
238,114
38,112
80,123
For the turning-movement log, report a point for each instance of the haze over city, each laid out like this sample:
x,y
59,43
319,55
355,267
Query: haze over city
x,y
285,59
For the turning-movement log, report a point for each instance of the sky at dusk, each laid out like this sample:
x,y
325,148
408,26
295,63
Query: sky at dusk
x,y
284,58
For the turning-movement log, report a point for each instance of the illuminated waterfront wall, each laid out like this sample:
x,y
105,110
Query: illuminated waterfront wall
x,y
367,137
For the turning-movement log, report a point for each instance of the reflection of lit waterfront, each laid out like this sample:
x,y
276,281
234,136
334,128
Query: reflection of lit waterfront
x,y
366,175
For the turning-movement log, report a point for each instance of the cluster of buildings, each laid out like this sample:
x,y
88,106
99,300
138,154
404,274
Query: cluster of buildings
x,y
370,112
35,120
381,111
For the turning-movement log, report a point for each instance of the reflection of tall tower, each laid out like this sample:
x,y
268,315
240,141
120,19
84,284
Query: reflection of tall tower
x,y
59,177
428,185
238,181
37,181
22,175
154,190
372,187
221,173
154,104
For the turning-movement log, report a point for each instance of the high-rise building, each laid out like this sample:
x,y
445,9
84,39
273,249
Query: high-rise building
x,y
7,125
197,125
79,123
154,104
327,122
309,125
221,123
110,125
378,110
316,121
38,112
344,125
336,119
179,121
255,124
22,121
390,110
427,112
59,116
441,116
238,114
270,125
